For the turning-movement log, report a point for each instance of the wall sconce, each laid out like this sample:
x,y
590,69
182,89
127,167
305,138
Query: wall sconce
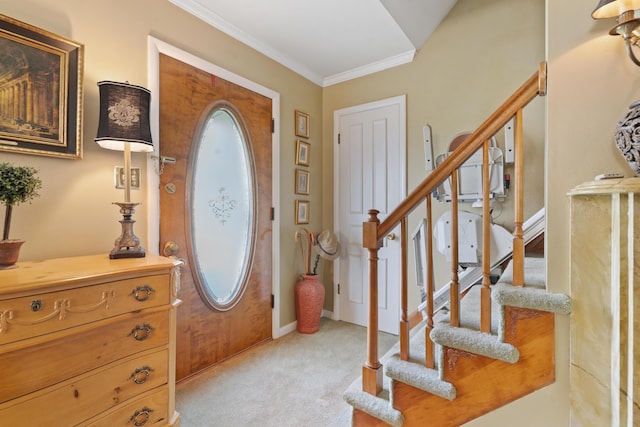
x,y
124,126
628,25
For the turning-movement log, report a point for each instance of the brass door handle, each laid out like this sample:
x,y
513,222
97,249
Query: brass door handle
x,y
391,236
170,249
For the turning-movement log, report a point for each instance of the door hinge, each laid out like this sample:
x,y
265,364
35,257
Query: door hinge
x,y
338,288
338,138
273,301
273,125
273,213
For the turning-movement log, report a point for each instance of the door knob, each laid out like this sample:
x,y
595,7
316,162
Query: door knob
x,y
391,236
170,249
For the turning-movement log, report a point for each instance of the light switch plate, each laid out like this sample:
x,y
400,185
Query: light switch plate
x,y
118,176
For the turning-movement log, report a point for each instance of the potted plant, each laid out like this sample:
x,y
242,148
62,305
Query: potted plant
x,y
18,184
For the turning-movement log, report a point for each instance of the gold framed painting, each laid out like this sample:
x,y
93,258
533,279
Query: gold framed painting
x,y
302,124
302,182
41,91
302,211
303,153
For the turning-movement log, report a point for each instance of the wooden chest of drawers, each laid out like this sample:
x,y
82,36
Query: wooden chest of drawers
x,y
89,341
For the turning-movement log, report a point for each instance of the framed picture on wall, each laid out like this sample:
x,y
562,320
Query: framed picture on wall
x,y
302,181
302,211
41,91
303,152
302,124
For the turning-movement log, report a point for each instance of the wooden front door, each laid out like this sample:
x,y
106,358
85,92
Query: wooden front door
x,y
206,334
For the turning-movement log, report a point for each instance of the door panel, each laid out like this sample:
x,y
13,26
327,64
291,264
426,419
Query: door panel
x,y
206,336
371,176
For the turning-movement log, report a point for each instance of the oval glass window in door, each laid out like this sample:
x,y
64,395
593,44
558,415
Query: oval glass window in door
x,y
222,205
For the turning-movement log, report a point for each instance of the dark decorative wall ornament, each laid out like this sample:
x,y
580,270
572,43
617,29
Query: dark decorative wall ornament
x,y
627,137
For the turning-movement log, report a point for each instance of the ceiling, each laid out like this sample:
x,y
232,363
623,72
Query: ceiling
x,y
327,41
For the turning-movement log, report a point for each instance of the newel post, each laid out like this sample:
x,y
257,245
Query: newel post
x,y
372,369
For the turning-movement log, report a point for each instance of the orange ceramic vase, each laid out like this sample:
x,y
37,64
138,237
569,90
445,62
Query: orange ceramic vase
x,y
309,296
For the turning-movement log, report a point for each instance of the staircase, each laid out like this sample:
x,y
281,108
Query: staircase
x,y
474,372
493,346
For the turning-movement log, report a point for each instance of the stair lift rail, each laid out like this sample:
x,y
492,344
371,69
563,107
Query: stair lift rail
x,y
374,231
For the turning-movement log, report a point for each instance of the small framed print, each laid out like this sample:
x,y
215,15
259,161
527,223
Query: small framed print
x,y
302,181
303,151
302,211
302,124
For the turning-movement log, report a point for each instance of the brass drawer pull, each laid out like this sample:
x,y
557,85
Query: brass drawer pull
x,y
141,416
138,333
141,375
142,293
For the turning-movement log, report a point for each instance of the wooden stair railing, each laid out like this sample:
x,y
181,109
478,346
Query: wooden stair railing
x,y
373,230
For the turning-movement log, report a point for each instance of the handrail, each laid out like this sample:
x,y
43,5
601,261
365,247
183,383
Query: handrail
x,y
373,230
534,86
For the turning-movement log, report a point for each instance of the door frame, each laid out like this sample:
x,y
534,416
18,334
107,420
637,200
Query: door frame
x,y
155,47
401,101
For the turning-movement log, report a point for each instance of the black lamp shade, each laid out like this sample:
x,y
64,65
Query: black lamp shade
x,y
124,117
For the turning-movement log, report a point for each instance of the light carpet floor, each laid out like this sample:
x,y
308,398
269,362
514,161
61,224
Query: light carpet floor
x,y
297,380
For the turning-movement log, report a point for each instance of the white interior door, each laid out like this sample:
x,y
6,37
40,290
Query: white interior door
x,y
371,174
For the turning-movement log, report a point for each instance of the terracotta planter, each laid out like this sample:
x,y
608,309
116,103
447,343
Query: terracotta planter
x,y
9,252
309,296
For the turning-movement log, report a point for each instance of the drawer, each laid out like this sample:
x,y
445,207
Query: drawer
x,y
40,314
148,410
82,397
41,362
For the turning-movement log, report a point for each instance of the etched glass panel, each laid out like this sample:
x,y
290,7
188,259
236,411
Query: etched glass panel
x,y
222,209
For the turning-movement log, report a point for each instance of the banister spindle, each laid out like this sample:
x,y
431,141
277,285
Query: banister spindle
x,y
372,369
485,292
518,232
429,347
404,299
454,292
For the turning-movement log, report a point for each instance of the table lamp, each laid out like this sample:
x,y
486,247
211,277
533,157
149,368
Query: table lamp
x,y
124,126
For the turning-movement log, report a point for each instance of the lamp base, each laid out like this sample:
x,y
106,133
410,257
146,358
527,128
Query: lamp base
x,y
127,245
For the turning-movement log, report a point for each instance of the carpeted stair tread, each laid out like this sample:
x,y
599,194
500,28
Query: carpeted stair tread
x,y
419,376
474,342
534,273
415,373
526,297
380,406
533,294
376,406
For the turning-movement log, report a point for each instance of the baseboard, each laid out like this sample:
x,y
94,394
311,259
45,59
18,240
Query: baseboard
x,y
329,315
284,330
293,325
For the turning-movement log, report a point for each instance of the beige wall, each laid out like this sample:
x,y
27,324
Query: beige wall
x,y
74,214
